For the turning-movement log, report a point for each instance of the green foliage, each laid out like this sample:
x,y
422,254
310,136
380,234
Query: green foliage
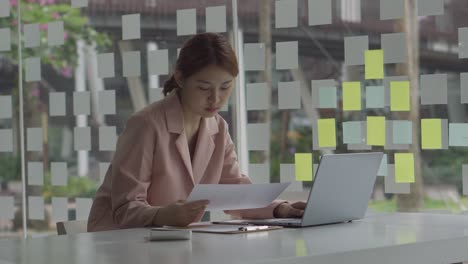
x,y
10,167
82,187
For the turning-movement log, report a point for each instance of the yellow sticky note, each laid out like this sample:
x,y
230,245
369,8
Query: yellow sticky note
x,y
374,64
431,133
303,165
400,96
407,236
301,248
376,130
404,167
326,132
352,96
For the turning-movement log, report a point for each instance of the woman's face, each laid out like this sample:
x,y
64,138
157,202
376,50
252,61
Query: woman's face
x,y
205,92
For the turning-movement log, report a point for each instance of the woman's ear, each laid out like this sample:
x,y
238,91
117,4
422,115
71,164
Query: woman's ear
x,y
178,79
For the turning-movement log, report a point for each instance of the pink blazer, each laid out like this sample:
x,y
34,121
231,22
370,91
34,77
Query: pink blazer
x,y
152,168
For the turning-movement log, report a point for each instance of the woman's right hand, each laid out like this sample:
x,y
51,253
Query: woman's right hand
x,y
180,213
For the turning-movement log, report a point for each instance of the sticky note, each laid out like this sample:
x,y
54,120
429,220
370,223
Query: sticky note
x,y
464,179
463,43
155,94
351,96
59,209
352,132
289,95
5,41
376,130
103,167
186,22
458,135
158,62
402,135
386,82
327,97
301,248
131,26
32,69
55,33
254,56
464,87
445,133
259,173
83,206
355,48
79,3
106,100
287,55
106,65
430,7
257,96
383,166
36,208
7,207
131,64
402,132
320,12
32,37
5,106
327,132
82,138
107,138
375,97
431,134
316,85
6,140
374,64
81,103
400,96
405,236
303,166
59,173
288,174
285,13
34,139
392,9
433,89
391,186
4,8
256,137
57,105
404,167
35,173
394,47
216,19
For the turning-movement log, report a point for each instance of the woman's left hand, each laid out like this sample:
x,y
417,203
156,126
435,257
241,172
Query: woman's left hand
x,y
290,210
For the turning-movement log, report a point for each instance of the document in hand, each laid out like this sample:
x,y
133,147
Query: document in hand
x,y
237,196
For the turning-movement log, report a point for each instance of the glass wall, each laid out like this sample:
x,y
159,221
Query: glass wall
x,y
317,77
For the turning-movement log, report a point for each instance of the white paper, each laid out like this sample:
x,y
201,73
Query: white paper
x,y
237,196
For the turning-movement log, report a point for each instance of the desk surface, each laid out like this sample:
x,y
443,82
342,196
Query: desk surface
x,y
379,238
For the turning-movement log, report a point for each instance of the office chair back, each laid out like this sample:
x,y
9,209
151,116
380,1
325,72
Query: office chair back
x,y
72,227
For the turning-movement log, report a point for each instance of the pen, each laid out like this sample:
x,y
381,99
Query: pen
x,y
252,228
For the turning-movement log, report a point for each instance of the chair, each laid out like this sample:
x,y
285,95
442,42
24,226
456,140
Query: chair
x,y
72,227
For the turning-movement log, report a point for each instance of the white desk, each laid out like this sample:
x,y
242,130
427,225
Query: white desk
x,y
380,238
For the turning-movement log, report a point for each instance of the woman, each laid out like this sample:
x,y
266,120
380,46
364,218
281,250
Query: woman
x,y
171,145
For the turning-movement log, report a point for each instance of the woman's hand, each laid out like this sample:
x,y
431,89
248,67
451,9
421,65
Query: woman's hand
x,y
180,213
290,210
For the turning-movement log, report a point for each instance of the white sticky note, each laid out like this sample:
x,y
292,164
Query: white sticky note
x,y
288,174
430,7
81,103
5,40
353,132
106,100
36,208
186,22
287,55
158,62
254,56
327,97
7,207
107,138
32,69
256,137
83,206
6,140
155,94
57,104
5,106
285,13
4,8
59,209
463,42
464,179
82,138
32,37
394,47
402,132
131,61
355,48
59,173
392,9
55,33
79,3
289,95
458,136
34,139
320,12
131,26
257,96
216,19
103,167
106,65
259,173
35,173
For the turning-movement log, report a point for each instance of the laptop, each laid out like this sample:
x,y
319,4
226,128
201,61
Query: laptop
x,y
340,192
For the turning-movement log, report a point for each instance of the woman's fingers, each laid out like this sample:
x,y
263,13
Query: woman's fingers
x,y
299,205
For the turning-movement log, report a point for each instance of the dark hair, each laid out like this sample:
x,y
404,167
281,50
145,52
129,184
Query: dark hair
x,y
202,50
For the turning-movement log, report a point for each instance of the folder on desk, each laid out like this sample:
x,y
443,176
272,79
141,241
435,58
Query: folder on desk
x,y
226,228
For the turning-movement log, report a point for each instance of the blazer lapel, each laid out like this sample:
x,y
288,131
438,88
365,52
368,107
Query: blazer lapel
x,y
204,148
